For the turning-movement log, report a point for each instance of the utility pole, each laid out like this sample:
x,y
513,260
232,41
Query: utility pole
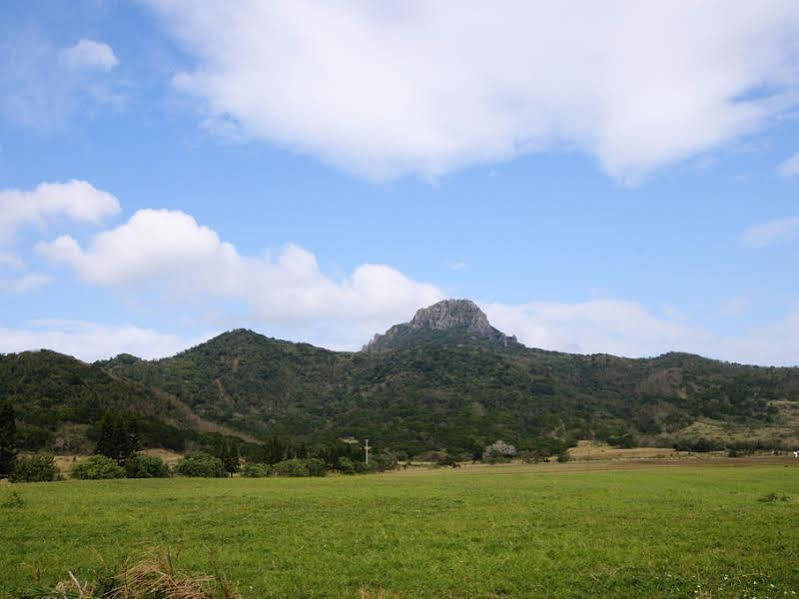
x,y
366,450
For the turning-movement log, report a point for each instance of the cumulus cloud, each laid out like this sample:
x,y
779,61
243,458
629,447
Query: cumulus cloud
x,y
89,54
768,233
169,251
425,87
91,341
789,167
627,328
76,200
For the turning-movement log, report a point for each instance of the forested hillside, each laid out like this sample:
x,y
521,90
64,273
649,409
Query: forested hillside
x,y
447,380
59,401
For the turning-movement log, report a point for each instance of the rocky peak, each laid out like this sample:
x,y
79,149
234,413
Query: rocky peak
x,y
460,316
452,314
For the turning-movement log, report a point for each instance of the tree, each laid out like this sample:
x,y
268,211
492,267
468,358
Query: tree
x,y
117,439
8,439
227,450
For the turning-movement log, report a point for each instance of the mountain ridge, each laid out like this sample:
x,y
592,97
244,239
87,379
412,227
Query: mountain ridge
x,y
447,380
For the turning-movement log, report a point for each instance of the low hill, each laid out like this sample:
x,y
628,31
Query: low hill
x,y
59,400
449,380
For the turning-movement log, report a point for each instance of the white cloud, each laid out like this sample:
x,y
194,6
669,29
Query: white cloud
x,y
627,328
9,260
90,341
168,251
89,54
789,167
598,326
77,200
773,231
25,283
42,86
426,86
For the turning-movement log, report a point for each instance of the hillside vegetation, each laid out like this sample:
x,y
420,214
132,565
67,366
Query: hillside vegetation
x,y
446,380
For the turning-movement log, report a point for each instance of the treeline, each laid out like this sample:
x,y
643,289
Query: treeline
x,y
118,440
733,448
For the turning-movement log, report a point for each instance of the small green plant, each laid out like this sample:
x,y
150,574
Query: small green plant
x,y
201,465
12,501
97,467
37,468
772,497
146,466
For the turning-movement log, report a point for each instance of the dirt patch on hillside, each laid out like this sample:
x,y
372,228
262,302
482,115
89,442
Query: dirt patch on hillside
x,y
199,423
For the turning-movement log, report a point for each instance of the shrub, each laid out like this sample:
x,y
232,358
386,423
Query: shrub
x,y
97,467
254,470
495,457
564,457
533,456
37,468
294,467
699,445
499,450
382,461
316,467
623,440
146,466
201,465
345,465
447,460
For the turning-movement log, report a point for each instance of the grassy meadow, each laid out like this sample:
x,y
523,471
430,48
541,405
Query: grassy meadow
x,y
502,531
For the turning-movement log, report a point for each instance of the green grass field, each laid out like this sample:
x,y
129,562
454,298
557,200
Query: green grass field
x,y
660,531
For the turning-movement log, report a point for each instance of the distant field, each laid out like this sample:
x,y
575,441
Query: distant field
x,y
551,530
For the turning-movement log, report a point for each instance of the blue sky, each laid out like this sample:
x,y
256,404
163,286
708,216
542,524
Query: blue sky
x,y
627,184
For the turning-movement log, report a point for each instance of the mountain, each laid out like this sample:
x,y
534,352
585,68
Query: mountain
x,y
454,320
446,379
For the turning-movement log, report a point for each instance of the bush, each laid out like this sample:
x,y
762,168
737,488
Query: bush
x,y
97,467
494,457
447,460
564,457
382,461
37,468
699,445
146,466
345,465
499,451
298,467
533,456
316,467
253,470
201,465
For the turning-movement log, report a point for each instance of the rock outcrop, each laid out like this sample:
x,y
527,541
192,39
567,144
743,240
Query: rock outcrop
x,y
457,317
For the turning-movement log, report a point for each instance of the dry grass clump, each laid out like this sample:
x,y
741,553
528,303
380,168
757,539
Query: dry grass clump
x,y
153,577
